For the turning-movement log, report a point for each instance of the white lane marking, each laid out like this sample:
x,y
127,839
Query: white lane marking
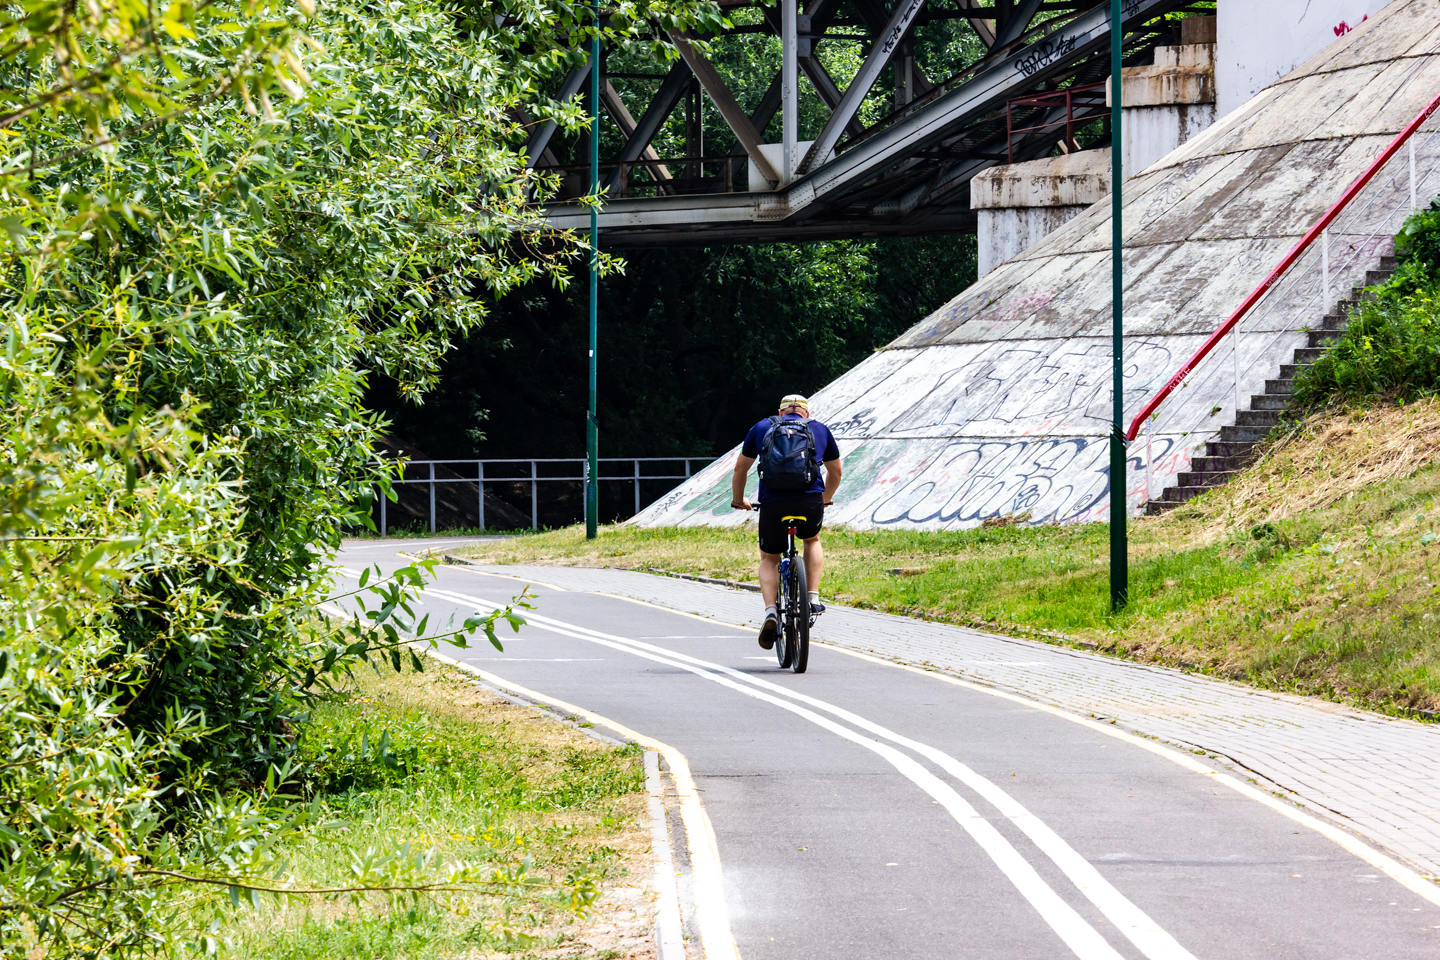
x,y
691,636
1133,922
543,659
672,941
1077,933
529,581
1394,869
1421,886
1411,880
711,915
1142,931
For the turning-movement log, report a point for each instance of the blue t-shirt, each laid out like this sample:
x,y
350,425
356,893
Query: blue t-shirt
x,y
825,451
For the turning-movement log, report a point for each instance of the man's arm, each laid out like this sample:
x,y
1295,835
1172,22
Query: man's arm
x,y
737,482
832,480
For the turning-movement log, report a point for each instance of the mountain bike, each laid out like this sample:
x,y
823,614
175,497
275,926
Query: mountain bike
x,y
792,642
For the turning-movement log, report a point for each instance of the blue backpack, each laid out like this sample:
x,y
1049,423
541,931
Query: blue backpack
x,y
787,455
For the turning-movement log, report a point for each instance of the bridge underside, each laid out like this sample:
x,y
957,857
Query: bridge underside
x,y
760,162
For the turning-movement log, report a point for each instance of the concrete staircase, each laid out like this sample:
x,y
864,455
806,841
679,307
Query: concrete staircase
x,y
1235,448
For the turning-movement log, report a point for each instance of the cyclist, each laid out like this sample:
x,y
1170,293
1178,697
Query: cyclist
x,y
809,502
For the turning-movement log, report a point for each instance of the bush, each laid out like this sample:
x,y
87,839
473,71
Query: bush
x,y
1391,343
215,224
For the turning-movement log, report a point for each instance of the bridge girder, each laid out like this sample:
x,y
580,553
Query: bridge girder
x,y
903,173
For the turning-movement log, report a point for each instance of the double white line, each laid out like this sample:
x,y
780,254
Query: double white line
x,y
1083,939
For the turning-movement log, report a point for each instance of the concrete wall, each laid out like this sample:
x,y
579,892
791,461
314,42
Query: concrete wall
x,y
1152,132
1259,41
1019,204
999,403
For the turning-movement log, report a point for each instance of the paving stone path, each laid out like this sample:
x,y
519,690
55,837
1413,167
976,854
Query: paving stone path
x,y
1375,775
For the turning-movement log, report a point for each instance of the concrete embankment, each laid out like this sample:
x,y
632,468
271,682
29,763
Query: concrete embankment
x,y
999,403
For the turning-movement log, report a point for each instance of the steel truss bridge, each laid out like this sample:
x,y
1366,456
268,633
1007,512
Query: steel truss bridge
x,y
1034,65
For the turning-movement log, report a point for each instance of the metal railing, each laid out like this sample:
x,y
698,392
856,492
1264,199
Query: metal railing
x,y
663,176
1088,99
1332,255
522,473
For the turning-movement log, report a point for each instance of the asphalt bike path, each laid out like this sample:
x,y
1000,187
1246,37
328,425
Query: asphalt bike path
x,y
867,810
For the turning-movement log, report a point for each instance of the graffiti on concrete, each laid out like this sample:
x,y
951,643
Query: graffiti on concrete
x,y
999,403
861,423
1343,28
1045,480
1070,385
969,481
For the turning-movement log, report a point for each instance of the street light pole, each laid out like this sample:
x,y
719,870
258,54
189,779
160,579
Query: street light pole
x,y
1119,559
592,429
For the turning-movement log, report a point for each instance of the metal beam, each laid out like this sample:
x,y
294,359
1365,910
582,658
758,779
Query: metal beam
x,y
1017,21
989,88
616,108
985,29
872,13
540,139
789,94
829,91
865,78
730,110
672,88
921,163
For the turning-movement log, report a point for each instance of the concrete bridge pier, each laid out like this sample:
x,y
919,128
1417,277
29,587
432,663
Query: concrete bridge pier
x,y
1166,104
1172,100
1018,204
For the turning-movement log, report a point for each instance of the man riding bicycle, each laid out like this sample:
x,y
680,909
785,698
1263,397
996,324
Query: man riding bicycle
x,y
790,486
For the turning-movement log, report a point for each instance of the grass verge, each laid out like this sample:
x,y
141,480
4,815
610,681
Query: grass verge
x,y
1317,571
428,767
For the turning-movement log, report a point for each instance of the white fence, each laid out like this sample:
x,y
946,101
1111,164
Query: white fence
x,y
471,478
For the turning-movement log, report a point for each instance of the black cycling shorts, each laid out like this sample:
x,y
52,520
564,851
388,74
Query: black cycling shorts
x,y
774,530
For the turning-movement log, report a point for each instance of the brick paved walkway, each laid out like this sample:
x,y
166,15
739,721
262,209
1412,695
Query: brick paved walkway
x,y
1376,775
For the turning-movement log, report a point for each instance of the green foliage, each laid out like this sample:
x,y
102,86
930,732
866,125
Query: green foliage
x,y
481,789
219,218
1391,343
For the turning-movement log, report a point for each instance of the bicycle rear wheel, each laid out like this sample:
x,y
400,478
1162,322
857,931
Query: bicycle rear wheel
x,y
800,611
786,638
784,648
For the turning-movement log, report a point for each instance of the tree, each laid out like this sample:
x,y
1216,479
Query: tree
x,y
219,218
693,344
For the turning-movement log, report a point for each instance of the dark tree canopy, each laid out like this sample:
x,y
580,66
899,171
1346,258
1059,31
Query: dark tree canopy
x,y
694,346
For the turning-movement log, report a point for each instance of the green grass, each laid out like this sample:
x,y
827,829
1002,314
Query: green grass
x,y
429,769
1303,575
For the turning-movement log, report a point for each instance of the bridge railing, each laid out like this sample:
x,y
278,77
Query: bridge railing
x,y
663,176
444,483
1332,256
1083,104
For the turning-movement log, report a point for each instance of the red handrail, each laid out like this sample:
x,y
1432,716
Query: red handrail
x,y
1280,269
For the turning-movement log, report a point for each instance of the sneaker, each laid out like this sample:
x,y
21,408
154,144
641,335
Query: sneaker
x,y
768,630
816,609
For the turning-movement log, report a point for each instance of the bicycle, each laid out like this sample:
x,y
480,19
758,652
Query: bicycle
x,y
792,604
792,642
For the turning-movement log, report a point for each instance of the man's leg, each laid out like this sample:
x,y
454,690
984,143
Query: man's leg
x,y
814,561
769,590
770,575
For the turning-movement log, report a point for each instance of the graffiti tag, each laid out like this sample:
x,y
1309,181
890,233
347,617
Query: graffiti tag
x,y
1045,53
1343,28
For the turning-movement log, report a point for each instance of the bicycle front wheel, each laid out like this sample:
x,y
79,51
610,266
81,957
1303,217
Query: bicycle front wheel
x,y
799,612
